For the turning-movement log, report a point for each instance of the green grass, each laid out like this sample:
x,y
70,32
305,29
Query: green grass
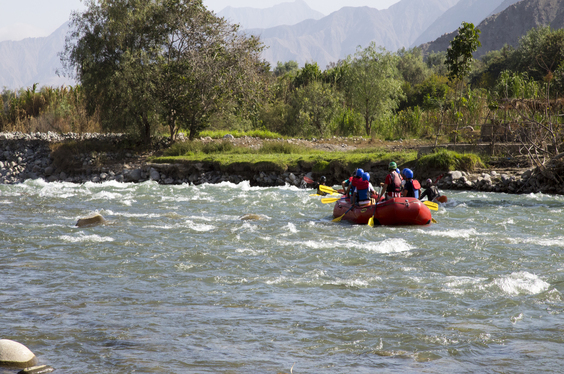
x,y
263,134
450,160
277,156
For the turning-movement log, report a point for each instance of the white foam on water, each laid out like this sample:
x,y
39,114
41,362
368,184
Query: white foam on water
x,y
183,267
516,318
462,233
460,285
308,243
291,228
106,195
246,226
114,184
200,227
395,245
81,238
249,251
508,221
5,202
521,283
131,215
278,280
553,242
180,198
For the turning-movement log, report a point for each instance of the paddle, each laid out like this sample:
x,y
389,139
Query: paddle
x,y
327,189
329,200
308,180
431,205
338,219
371,220
434,220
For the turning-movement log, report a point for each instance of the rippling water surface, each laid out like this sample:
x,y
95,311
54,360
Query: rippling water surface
x,y
176,282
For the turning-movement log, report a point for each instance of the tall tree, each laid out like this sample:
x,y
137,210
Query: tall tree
x,y
144,62
373,84
459,55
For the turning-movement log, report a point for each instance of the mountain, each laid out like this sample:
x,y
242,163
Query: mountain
x,y
20,31
32,60
473,11
281,14
506,4
509,26
339,34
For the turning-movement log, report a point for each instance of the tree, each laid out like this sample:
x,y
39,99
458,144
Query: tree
x,y
373,84
313,108
285,68
411,66
459,58
459,55
142,62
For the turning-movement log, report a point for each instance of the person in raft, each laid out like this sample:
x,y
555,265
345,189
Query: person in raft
x,y
321,182
392,184
412,187
432,192
363,191
348,184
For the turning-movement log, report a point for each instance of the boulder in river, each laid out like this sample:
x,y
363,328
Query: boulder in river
x,y
14,354
252,217
93,220
42,369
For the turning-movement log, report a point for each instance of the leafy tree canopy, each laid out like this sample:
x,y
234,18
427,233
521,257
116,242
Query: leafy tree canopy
x,y
459,54
148,62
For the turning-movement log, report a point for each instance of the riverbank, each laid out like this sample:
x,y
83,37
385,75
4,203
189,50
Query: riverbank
x,y
106,157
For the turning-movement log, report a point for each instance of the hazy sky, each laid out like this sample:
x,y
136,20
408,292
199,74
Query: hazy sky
x,y
33,18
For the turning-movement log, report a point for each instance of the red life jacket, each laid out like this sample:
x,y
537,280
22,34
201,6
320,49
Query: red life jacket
x,y
416,184
395,186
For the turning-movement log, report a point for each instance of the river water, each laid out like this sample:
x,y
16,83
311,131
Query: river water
x,y
177,282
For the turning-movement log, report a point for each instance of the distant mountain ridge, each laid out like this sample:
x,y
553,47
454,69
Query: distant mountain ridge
x,y
35,60
340,33
32,60
509,26
288,13
473,11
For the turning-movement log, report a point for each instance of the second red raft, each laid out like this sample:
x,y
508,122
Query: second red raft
x,y
396,211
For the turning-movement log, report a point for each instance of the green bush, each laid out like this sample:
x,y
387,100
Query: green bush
x,y
450,160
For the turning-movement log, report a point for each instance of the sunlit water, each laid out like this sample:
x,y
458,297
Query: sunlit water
x,y
176,282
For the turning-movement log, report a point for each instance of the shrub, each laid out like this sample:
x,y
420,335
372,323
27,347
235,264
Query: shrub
x,y
450,160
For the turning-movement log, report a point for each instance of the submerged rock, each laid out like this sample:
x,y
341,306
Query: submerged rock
x,y
94,220
252,217
37,370
14,354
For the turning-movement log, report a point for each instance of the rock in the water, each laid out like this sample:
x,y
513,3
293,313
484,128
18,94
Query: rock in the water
x,y
252,217
14,354
37,370
94,220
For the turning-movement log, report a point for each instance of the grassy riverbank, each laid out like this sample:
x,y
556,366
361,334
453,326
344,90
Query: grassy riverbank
x,y
282,156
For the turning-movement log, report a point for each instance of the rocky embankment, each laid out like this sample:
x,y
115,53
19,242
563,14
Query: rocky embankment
x,y
31,156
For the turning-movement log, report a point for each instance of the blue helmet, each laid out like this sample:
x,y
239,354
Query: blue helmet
x,y
365,177
359,173
407,173
397,171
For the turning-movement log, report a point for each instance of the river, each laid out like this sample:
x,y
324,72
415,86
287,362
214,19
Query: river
x,y
177,282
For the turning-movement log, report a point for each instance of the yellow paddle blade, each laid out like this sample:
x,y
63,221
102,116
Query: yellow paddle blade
x,y
434,220
327,189
329,200
371,221
338,219
431,205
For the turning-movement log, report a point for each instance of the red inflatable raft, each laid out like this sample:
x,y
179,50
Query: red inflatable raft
x,y
396,211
